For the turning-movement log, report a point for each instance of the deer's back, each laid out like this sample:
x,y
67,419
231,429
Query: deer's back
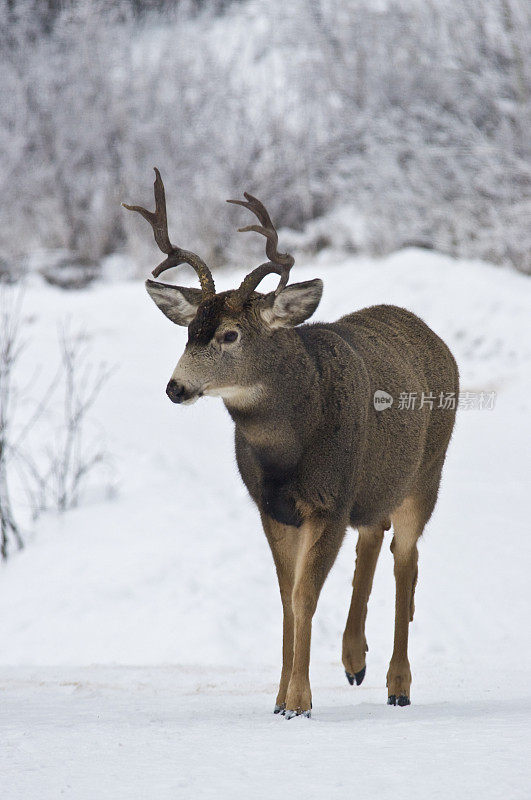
x,y
395,342
399,450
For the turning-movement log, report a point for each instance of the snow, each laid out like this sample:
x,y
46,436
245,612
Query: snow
x,y
140,634
164,732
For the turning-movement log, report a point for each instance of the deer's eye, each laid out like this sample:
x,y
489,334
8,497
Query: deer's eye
x,y
230,336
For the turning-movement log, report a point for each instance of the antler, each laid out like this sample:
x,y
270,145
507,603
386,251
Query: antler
x,y
176,255
279,263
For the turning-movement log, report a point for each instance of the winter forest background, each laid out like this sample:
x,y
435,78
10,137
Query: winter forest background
x,y
369,124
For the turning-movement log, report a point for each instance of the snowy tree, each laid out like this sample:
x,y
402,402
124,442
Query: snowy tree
x,y
413,115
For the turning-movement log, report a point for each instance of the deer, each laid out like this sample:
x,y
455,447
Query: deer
x,y
313,448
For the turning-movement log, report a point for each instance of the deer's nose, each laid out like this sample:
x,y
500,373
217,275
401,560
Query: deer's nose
x,y
177,392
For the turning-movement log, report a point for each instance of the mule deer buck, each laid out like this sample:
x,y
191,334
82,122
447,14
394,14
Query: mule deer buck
x,y
313,451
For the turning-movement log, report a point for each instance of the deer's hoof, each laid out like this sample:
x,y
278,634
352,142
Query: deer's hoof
x,y
358,676
401,700
279,707
298,712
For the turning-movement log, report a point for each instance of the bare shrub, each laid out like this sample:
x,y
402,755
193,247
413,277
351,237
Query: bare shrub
x,y
51,477
10,350
72,459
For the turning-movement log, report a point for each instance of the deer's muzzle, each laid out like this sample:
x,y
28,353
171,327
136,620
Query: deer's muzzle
x,y
181,393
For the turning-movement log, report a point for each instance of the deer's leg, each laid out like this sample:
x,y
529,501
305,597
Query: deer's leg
x,y
407,527
319,543
354,642
284,543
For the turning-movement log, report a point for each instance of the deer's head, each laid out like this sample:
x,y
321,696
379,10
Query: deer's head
x,y
230,334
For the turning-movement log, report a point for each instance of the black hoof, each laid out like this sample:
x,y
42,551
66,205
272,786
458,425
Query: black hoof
x,y
290,713
279,707
358,676
401,700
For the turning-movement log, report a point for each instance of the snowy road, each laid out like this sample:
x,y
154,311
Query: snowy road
x,y
170,732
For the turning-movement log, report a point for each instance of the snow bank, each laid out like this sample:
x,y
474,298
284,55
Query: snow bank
x,y
175,570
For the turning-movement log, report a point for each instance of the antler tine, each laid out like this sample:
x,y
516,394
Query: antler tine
x,y
280,263
267,229
176,255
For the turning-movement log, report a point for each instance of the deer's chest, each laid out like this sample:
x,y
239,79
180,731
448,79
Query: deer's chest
x,y
268,467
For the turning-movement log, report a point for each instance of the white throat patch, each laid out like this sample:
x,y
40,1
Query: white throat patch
x,y
238,396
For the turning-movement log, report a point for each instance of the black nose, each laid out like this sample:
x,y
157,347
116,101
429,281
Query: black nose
x,y
176,391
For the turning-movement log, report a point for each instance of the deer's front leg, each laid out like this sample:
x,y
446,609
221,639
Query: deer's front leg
x,y
317,549
284,543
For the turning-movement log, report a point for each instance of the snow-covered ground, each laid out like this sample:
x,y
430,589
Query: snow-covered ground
x,y
140,635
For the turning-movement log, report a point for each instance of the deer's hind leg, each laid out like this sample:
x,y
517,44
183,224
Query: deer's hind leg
x,y
354,642
408,523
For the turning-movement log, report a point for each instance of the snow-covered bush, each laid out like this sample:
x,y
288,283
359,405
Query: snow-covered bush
x,y
414,116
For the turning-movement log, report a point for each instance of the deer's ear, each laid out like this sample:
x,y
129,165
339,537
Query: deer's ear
x,y
292,305
178,303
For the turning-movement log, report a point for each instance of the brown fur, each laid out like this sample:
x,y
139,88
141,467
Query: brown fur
x,y
312,450
327,459
316,456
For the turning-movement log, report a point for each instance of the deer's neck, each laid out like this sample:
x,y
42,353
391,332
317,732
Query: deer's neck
x,y
277,413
